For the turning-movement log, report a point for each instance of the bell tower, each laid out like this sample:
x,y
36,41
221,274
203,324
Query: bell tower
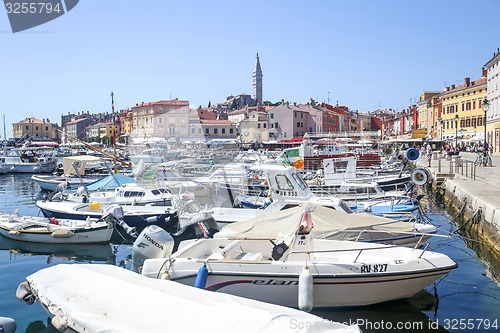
x,y
257,82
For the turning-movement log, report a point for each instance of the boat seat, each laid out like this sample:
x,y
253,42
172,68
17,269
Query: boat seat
x,y
250,256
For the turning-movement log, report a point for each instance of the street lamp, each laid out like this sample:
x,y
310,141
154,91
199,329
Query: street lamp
x,y
485,105
441,130
456,133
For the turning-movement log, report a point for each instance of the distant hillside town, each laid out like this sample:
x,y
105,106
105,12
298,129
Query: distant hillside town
x,y
468,111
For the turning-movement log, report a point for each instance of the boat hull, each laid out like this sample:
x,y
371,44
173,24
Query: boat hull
x,y
329,291
91,236
134,216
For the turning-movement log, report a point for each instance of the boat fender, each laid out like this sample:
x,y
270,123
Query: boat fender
x,y
53,220
152,219
36,169
201,277
306,290
165,276
60,323
24,293
13,169
95,205
62,233
7,325
14,232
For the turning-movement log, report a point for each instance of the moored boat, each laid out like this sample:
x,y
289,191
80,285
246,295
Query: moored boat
x,y
268,264
56,231
91,298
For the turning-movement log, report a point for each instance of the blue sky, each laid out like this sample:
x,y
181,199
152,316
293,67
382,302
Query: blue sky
x,y
366,53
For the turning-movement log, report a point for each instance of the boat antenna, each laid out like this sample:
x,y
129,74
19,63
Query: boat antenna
x,y
4,133
114,128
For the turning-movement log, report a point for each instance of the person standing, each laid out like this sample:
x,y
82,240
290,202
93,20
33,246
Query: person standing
x,y
429,154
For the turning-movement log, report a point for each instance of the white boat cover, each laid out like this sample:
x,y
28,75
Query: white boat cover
x,y
106,298
327,223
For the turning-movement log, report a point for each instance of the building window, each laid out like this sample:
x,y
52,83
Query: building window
x,y
231,131
199,130
223,131
216,130
207,130
271,115
264,125
258,125
276,125
192,130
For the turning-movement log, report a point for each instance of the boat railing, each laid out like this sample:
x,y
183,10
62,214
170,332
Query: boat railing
x,y
421,244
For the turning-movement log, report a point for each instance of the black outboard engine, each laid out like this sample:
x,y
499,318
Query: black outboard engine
x,y
201,225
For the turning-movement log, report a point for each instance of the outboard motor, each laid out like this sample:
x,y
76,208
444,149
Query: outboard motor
x,y
201,225
82,190
153,242
115,212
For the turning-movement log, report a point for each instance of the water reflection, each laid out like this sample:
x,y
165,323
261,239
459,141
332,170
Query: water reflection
x,y
41,327
74,252
395,316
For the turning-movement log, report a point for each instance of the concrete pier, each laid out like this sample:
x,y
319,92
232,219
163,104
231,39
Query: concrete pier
x,y
472,192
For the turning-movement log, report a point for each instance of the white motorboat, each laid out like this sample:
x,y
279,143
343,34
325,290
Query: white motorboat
x,y
127,194
56,231
149,156
24,161
292,267
91,298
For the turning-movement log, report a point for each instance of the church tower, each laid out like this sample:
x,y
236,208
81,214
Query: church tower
x,y
257,82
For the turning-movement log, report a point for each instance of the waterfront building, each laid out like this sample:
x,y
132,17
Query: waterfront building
x,y
217,129
462,114
76,129
254,127
492,68
287,121
147,118
35,129
427,118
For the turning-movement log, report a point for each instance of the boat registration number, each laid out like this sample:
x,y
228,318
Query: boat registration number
x,y
375,268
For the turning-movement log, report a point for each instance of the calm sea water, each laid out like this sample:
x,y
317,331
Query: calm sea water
x,y
465,300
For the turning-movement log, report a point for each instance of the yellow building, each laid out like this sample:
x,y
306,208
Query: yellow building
x,y
426,115
462,114
34,128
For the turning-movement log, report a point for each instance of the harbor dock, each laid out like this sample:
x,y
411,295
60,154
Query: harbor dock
x,y
471,192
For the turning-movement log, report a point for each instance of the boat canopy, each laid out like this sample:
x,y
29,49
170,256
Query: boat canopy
x,y
81,161
110,182
326,223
